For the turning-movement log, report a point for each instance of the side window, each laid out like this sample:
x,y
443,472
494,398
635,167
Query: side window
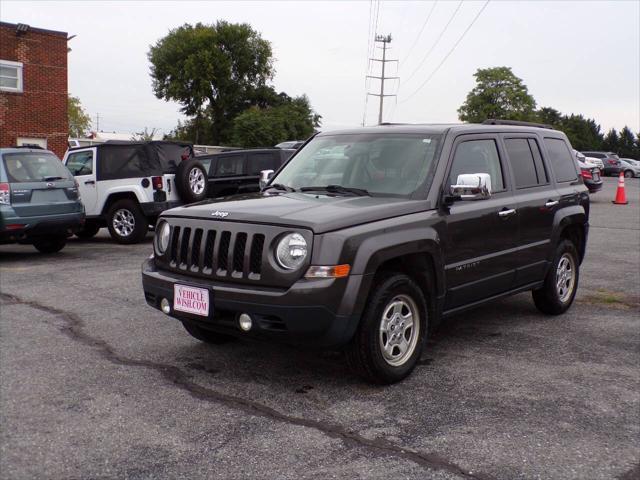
x,y
229,165
528,170
262,161
561,160
478,156
80,163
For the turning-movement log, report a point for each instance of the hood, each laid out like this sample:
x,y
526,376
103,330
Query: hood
x,y
317,212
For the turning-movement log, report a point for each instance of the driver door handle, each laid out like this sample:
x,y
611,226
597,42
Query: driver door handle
x,y
507,213
551,203
90,182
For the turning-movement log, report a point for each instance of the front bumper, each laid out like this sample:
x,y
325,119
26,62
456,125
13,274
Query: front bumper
x,y
320,313
62,225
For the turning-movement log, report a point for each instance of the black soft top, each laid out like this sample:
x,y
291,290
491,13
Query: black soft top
x,y
130,159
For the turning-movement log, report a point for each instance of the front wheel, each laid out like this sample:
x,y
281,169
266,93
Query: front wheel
x,y
50,245
206,336
389,339
628,174
127,224
561,283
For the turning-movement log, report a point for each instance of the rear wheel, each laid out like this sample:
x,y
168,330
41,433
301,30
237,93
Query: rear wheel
x,y
206,336
126,222
50,245
561,283
89,230
628,174
191,181
389,339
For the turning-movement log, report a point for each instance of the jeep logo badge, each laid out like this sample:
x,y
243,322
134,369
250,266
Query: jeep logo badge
x,y
50,185
219,214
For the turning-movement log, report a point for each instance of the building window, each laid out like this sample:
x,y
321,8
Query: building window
x,y
10,76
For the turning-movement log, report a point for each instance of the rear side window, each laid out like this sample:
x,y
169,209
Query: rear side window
x,y
262,161
229,165
528,169
80,163
561,160
34,167
478,156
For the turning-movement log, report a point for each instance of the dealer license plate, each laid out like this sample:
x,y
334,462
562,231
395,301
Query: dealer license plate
x,y
191,300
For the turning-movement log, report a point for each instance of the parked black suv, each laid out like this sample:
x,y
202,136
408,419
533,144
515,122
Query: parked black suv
x,y
611,161
238,171
366,238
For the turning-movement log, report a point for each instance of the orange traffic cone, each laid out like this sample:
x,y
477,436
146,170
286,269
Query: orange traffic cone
x,y
621,196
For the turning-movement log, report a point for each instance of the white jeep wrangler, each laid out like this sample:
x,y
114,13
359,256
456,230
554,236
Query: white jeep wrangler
x,y
125,185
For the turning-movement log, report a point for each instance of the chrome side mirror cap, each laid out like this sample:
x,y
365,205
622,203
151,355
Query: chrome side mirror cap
x,y
472,186
265,176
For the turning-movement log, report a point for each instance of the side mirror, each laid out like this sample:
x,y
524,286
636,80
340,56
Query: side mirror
x,y
265,176
472,186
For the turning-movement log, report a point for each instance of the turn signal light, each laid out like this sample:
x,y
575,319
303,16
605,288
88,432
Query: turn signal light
x,y
157,183
333,271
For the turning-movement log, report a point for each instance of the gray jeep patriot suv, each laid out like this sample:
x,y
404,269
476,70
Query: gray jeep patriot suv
x,y
365,239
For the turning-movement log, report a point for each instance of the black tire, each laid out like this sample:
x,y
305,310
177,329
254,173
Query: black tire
x,y
191,181
549,299
126,222
628,174
365,351
206,336
89,230
50,244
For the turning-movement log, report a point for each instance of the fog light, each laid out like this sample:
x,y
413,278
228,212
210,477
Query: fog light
x,y
165,306
244,320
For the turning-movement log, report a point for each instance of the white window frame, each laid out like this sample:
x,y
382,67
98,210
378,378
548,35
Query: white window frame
x,y
19,68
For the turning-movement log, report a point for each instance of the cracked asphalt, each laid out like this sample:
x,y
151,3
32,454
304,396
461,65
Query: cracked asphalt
x,y
95,384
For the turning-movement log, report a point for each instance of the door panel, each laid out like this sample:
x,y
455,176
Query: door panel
x,y
81,164
480,256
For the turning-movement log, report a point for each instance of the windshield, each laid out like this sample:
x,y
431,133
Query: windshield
x,y
34,167
381,164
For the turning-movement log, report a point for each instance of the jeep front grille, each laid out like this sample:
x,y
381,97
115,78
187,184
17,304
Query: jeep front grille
x,y
217,253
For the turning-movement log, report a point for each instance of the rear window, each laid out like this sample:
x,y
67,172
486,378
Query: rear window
x,y
526,162
561,160
34,167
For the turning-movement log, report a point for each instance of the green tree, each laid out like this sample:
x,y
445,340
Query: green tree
x,y
498,94
611,142
79,120
211,70
627,143
259,127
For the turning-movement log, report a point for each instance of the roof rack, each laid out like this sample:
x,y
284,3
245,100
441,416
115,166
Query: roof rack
x,y
496,121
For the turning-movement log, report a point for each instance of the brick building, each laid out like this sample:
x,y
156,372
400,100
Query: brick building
x,y
33,87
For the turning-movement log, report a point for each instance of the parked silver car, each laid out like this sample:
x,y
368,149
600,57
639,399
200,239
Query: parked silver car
x,y
630,167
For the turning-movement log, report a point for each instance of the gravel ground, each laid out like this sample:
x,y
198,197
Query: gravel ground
x,y
96,384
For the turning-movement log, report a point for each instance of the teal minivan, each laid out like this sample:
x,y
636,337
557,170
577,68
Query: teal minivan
x,y
39,199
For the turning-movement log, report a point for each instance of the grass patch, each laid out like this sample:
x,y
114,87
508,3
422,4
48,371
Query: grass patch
x,y
608,298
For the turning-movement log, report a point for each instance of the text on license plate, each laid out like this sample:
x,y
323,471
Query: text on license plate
x,y
191,300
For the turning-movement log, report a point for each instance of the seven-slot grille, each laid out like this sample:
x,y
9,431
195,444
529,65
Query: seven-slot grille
x,y
219,253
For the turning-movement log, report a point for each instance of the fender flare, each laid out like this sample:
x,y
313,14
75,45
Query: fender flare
x,y
135,190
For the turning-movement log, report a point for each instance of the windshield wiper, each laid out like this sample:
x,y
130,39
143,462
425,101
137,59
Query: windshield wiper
x,y
338,189
51,179
279,186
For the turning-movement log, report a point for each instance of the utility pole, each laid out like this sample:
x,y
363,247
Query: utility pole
x,y
384,40
97,122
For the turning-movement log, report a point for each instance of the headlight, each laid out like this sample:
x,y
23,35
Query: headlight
x,y
162,237
291,251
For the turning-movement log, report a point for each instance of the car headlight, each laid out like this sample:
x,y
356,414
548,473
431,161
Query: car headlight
x,y
291,251
162,237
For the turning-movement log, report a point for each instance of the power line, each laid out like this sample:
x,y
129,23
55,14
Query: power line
x,y
448,53
455,12
415,42
367,65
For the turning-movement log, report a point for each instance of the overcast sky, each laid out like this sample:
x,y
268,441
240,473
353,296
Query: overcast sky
x,y
575,56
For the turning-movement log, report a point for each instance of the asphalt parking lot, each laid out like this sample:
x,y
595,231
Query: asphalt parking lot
x,y
96,384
